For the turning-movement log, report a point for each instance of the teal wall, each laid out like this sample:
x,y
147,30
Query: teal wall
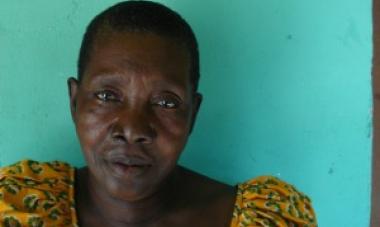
x,y
286,86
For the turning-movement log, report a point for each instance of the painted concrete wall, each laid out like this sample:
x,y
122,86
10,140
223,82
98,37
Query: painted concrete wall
x,y
286,86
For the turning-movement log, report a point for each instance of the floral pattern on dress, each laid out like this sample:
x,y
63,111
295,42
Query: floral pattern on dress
x,y
267,201
37,194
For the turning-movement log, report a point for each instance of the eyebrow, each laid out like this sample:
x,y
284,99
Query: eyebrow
x,y
105,76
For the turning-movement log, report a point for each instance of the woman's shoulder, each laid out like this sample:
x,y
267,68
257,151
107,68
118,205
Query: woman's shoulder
x,y
37,194
269,201
34,169
30,172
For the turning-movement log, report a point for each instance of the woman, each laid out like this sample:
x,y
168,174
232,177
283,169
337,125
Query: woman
x,y
134,105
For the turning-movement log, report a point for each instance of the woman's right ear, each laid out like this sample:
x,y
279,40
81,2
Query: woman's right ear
x,y
73,85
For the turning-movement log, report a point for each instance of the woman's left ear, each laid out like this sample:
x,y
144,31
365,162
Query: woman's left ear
x,y
73,85
197,100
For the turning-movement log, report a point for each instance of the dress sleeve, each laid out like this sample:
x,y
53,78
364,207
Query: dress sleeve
x,y
269,202
37,194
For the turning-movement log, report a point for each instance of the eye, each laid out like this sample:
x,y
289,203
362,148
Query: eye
x,y
106,96
167,104
167,101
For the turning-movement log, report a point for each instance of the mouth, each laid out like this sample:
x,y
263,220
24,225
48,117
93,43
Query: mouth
x,y
128,167
127,171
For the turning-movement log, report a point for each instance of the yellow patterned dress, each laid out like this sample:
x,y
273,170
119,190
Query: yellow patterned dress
x,y
36,194
269,202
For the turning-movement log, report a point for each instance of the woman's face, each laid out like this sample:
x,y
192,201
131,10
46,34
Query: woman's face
x,y
133,111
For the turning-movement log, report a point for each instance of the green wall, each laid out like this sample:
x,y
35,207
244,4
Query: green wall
x,y
287,90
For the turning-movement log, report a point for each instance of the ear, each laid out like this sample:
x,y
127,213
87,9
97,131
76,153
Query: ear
x,y
197,100
73,86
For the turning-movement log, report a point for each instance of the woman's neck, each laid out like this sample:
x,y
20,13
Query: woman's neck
x,y
95,201
187,199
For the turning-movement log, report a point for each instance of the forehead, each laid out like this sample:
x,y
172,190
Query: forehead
x,y
145,53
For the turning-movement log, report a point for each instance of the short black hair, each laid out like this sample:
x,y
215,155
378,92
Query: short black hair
x,y
141,16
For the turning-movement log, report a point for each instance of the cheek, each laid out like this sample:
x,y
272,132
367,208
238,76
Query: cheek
x,y
173,131
91,128
174,122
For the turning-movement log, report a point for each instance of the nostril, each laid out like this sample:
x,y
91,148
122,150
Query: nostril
x,y
119,137
142,140
132,130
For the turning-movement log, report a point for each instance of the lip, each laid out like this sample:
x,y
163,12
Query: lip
x,y
128,160
126,171
127,166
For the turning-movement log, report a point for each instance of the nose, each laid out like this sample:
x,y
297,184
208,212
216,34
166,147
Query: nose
x,y
133,127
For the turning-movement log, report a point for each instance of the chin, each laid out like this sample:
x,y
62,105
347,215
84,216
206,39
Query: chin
x,y
129,184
